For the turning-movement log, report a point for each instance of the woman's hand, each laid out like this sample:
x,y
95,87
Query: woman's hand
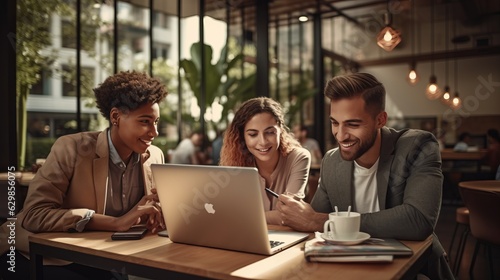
x,y
147,211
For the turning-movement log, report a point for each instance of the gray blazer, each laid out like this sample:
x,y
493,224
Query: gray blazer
x,y
409,187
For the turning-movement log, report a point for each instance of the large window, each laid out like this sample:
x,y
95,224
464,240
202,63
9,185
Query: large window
x,y
161,50
133,37
69,80
88,33
161,20
42,86
55,113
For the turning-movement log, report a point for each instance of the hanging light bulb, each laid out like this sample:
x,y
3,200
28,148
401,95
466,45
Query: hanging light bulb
x,y
412,77
432,91
388,38
388,33
446,98
456,103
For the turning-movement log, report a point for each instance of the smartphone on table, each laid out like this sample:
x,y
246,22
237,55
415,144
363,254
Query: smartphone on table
x,y
134,233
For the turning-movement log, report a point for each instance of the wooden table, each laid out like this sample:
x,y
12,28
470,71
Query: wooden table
x,y
23,178
484,185
26,178
158,258
474,156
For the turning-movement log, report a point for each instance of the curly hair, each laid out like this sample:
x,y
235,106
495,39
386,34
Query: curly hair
x,y
128,90
234,151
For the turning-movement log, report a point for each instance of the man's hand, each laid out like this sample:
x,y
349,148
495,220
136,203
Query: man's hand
x,y
299,215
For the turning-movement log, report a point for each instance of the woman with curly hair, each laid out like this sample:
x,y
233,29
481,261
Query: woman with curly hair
x,y
258,137
97,180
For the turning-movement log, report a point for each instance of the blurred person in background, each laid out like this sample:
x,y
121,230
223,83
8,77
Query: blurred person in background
x,y
301,134
493,148
188,150
464,142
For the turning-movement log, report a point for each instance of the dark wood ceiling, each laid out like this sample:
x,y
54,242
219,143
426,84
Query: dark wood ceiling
x,y
357,11
474,16
285,11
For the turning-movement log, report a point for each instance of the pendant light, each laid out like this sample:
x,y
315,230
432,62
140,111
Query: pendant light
x,y
432,91
446,98
413,77
388,38
456,102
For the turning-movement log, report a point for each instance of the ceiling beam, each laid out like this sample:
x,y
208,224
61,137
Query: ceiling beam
x,y
341,13
483,51
342,59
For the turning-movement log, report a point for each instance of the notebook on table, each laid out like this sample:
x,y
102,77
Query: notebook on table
x,y
219,207
371,250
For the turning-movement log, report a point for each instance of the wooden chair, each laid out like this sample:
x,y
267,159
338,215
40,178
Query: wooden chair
x,y
461,221
484,221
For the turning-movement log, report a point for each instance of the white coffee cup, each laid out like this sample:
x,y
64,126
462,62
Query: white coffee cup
x,y
342,225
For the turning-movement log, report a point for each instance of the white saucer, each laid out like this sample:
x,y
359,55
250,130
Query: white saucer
x,y
362,236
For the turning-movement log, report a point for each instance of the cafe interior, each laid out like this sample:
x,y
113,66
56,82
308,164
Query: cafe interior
x,y
438,60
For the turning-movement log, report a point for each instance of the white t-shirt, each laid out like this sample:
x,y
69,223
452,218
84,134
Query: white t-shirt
x,y
365,188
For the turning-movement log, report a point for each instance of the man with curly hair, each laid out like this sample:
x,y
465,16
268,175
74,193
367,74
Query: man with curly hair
x,y
97,180
258,137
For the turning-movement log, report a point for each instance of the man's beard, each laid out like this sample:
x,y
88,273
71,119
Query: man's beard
x,y
365,146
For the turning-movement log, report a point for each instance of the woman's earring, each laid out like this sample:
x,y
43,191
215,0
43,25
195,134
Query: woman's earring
x,y
114,123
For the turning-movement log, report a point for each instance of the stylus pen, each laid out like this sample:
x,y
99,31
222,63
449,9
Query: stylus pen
x,y
271,192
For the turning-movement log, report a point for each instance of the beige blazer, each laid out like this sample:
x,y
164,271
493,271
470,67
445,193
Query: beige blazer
x,y
72,180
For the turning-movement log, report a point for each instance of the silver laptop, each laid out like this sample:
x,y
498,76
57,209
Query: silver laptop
x,y
216,206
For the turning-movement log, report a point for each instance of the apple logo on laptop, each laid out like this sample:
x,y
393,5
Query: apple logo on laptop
x,y
210,208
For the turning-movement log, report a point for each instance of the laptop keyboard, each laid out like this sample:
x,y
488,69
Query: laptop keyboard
x,y
275,243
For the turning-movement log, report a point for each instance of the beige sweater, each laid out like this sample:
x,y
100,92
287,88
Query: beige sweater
x,y
290,175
